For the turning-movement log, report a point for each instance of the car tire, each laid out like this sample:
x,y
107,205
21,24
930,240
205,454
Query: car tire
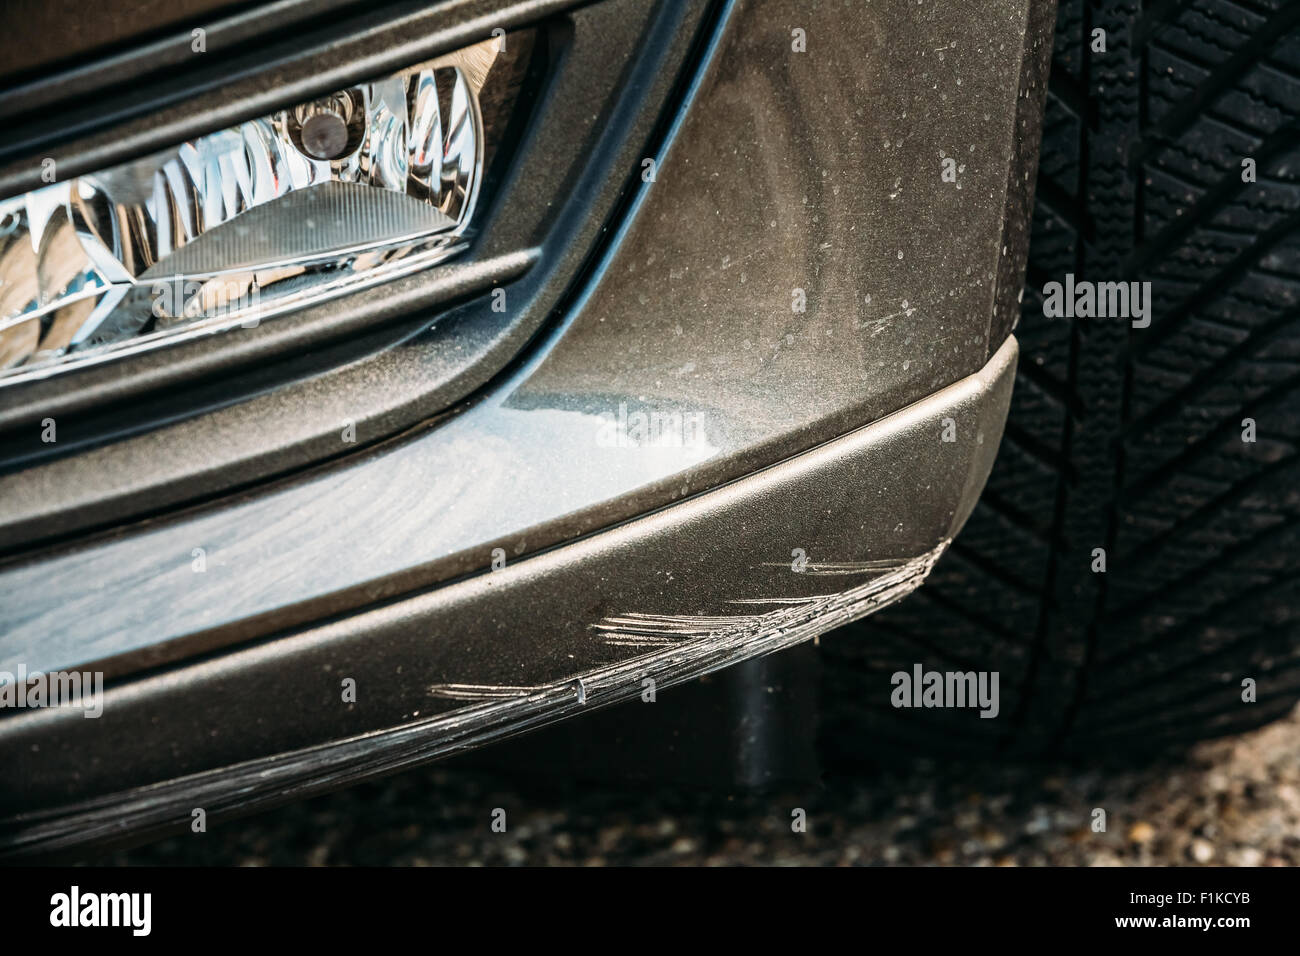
x,y
1131,570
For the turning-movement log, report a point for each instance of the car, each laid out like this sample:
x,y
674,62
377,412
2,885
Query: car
x,y
379,382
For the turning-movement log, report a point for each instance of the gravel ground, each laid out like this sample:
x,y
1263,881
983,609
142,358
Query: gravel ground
x,y
1234,801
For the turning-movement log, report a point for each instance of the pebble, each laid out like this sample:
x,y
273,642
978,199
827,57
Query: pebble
x,y
1141,832
1202,850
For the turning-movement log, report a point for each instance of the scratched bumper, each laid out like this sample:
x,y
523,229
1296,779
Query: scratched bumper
x,y
744,570
728,407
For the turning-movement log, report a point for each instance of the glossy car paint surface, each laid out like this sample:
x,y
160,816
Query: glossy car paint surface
x,y
796,289
691,588
815,184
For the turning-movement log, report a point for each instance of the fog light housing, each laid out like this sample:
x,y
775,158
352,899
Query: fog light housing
x,y
343,192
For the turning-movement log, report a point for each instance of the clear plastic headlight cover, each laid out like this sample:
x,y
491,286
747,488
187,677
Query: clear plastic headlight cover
x,y
348,190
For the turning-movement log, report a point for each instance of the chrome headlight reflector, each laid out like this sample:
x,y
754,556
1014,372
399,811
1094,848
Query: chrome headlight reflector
x,y
343,192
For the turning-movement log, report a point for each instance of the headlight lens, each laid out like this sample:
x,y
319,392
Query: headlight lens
x,y
367,184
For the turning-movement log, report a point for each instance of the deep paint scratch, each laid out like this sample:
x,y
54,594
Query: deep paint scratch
x,y
670,630
696,645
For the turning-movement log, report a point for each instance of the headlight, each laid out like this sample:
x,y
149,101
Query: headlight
x,y
358,187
